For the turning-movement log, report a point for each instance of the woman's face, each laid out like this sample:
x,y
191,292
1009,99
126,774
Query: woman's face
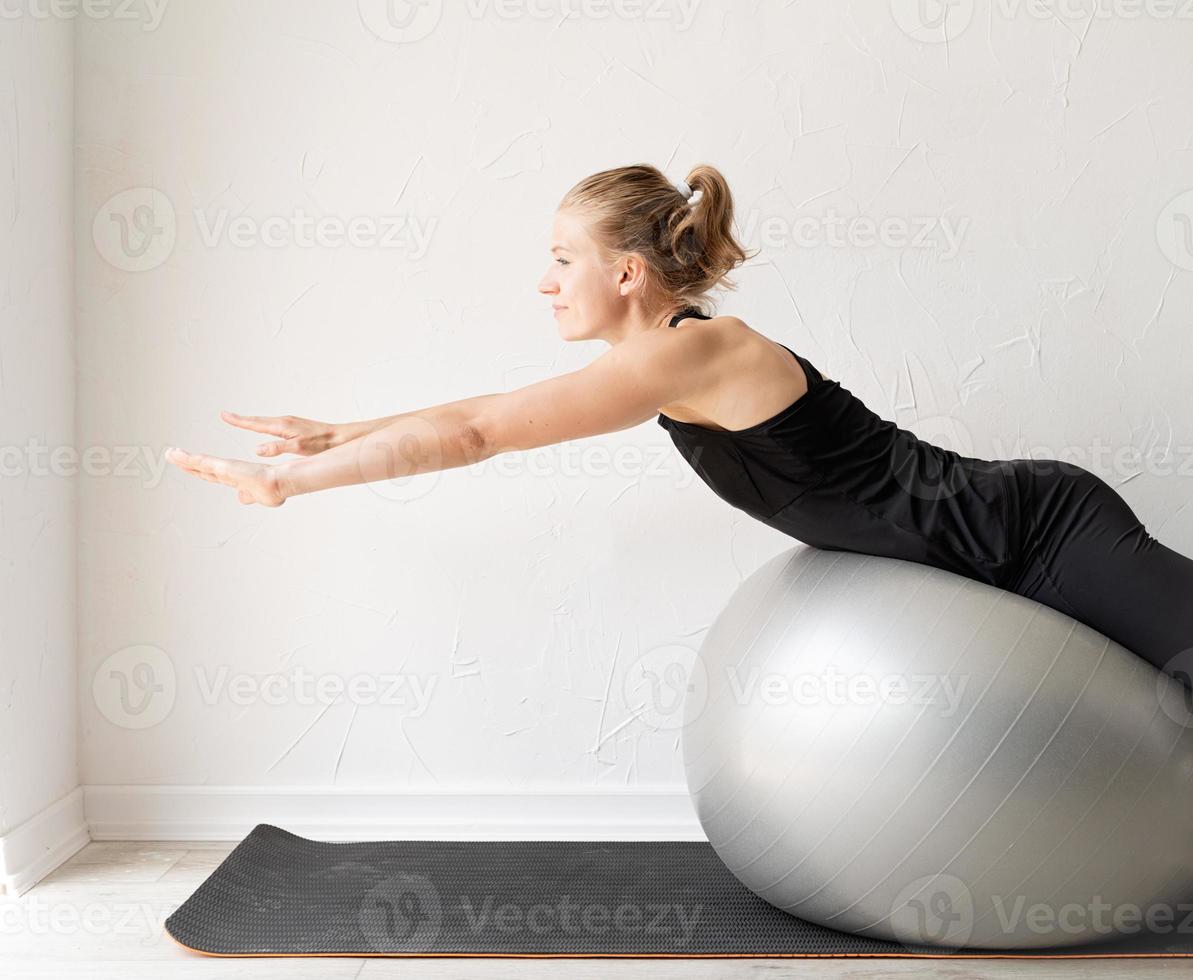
x,y
586,292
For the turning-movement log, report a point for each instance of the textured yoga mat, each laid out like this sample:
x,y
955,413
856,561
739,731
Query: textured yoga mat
x,y
278,894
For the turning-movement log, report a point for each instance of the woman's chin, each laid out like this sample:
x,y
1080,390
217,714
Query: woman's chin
x,y
565,327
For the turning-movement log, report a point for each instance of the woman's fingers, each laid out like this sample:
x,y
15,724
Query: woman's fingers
x,y
303,437
254,483
269,424
195,472
197,463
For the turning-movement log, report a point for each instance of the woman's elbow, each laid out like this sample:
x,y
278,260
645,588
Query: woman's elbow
x,y
475,444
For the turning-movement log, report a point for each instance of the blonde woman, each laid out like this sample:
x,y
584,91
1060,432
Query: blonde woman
x,y
633,258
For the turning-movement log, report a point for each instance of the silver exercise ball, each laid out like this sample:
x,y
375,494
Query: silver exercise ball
x,y
897,751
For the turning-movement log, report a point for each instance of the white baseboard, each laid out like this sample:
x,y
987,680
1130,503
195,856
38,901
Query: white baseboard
x,y
36,847
160,813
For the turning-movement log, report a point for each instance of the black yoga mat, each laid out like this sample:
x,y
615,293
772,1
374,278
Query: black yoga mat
x,y
278,894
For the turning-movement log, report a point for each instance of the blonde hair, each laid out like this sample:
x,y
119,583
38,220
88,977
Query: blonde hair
x,y
689,248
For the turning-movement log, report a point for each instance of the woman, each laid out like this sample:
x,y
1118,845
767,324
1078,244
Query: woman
x,y
633,257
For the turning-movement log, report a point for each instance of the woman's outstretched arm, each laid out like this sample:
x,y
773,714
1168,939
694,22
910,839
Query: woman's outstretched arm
x,y
622,388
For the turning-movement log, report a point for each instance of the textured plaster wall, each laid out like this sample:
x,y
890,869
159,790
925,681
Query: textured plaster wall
x,y
1017,279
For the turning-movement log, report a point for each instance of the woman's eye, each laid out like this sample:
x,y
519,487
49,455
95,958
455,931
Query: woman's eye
x,y
561,260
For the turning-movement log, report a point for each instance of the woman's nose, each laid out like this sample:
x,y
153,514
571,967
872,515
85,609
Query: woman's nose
x,y
547,285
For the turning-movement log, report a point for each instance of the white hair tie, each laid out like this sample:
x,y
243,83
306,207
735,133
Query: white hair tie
x,y
685,189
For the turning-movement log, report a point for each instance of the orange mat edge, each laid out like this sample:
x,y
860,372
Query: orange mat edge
x,y
974,955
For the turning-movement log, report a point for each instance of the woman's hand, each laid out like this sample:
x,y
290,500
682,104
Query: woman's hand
x,y
254,483
304,437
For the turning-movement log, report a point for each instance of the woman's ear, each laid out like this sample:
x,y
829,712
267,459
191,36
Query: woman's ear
x,y
633,274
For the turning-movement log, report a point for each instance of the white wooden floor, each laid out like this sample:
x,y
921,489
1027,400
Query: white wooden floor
x,y
101,915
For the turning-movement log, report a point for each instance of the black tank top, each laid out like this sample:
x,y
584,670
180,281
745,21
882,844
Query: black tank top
x,y
829,472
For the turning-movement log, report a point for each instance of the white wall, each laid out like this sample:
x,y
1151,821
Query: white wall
x,y
527,598
38,751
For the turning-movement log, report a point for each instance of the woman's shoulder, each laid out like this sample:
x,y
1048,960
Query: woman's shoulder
x,y
695,316
739,341
723,325
733,332
738,326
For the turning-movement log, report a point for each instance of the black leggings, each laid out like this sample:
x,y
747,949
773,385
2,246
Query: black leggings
x,y
1086,554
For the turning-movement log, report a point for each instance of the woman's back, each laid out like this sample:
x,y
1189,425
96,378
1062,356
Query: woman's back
x,y
831,473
